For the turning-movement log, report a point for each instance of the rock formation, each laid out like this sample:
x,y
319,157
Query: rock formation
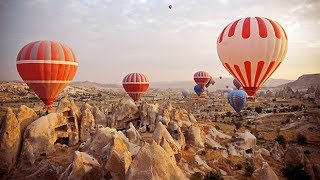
x,y
133,134
41,135
83,166
194,137
86,125
10,138
276,152
153,162
123,113
266,172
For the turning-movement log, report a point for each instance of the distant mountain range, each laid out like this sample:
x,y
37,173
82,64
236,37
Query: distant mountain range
x,y
220,84
303,82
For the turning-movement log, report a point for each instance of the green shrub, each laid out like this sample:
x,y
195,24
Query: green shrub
x,y
301,139
196,176
295,171
212,175
280,139
258,109
249,167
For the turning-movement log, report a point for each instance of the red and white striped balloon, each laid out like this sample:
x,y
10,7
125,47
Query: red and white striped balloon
x,y
135,84
47,67
201,78
251,49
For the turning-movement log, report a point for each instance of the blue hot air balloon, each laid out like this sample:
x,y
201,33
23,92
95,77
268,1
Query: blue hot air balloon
x,y
237,99
198,90
236,84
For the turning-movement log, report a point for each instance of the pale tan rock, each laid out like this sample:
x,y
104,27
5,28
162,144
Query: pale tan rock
x,y
99,116
152,162
165,145
98,141
162,133
123,112
41,135
118,158
10,141
87,125
194,137
276,152
133,134
177,135
83,166
148,114
25,117
266,172
250,140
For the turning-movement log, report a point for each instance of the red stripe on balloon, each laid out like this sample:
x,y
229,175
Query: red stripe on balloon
x,y
246,28
247,65
262,28
230,70
221,35
240,75
233,28
20,52
29,48
54,51
41,50
66,53
275,28
258,72
267,74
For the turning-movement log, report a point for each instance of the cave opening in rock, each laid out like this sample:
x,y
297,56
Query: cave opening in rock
x,y
62,140
63,128
148,128
249,151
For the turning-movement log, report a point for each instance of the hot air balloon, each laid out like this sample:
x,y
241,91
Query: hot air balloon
x,y
211,82
251,49
220,77
170,6
47,67
201,78
229,89
185,93
198,90
236,84
237,99
135,84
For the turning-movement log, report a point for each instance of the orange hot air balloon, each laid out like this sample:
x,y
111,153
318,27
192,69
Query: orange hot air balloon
x,y
47,67
135,84
251,49
201,78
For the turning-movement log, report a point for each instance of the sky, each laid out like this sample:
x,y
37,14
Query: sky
x,y
112,38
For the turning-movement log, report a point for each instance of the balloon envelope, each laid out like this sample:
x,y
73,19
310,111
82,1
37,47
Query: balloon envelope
x,y
251,49
185,93
237,99
135,84
236,84
211,82
201,78
198,90
47,67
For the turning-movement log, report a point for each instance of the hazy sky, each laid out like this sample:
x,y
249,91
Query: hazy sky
x,y
114,37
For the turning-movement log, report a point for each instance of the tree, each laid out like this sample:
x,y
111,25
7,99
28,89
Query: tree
x,y
301,139
281,140
258,109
